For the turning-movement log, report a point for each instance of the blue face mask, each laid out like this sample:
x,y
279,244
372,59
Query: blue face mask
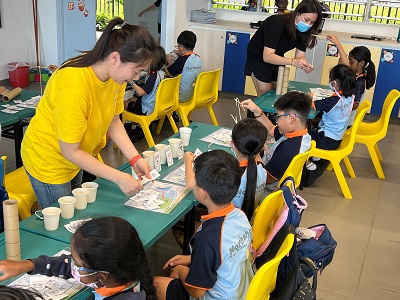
x,y
302,26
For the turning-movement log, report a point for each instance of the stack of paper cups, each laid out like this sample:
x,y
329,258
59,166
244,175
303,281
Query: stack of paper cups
x,y
11,229
285,81
279,80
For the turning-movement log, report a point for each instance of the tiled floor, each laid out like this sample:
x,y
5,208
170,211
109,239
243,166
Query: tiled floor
x,y
366,264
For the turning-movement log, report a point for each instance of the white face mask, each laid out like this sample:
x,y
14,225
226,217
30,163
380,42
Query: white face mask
x,y
75,273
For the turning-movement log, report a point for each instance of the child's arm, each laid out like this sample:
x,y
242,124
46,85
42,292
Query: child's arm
x,y
343,55
189,173
138,90
259,115
11,268
181,272
146,10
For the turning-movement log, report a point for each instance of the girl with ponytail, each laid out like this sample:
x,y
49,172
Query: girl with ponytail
x,y
106,255
248,139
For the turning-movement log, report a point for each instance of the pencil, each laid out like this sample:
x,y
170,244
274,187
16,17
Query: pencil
x,y
319,36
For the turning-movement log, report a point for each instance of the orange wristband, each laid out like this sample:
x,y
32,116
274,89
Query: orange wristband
x,y
134,159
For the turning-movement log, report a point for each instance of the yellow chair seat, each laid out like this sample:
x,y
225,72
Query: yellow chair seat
x,y
370,134
345,149
205,94
19,187
167,99
296,166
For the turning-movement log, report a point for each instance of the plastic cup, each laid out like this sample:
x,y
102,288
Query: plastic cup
x,y
92,187
174,143
51,216
67,205
149,157
160,148
185,132
82,196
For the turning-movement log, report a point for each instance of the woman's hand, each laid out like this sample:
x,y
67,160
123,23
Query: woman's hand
x,y
250,105
128,185
142,168
11,268
303,64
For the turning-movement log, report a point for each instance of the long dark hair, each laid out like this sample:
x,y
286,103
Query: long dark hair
x,y
362,53
346,78
159,60
305,6
133,43
17,293
112,244
249,136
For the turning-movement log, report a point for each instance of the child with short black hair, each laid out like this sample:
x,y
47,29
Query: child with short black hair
x,y
188,64
219,266
106,254
290,133
335,118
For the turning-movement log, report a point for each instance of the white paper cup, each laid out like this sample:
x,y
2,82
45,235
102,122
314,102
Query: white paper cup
x,y
67,205
149,157
51,216
160,148
174,143
82,196
185,132
92,187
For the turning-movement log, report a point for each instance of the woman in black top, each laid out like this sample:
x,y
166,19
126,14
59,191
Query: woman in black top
x,y
277,35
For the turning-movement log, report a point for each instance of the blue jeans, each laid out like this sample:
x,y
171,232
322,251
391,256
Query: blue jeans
x,y
47,194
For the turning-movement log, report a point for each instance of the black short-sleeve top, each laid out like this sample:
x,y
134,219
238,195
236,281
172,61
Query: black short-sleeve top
x,y
273,34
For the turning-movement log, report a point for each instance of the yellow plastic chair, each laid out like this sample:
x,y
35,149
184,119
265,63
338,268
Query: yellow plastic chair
x,y
167,100
205,94
266,216
370,134
296,166
264,281
345,149
19,188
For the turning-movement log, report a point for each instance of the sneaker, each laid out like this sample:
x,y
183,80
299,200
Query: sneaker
x,y
136,134
312,176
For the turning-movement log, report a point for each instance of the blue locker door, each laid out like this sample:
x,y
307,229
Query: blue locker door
x,y
234,60
388,78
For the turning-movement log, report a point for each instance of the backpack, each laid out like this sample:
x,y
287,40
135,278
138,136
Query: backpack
x,y
319,249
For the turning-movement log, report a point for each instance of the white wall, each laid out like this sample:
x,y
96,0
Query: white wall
x,y
17,33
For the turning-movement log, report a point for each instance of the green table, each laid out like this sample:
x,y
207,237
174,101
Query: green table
x,y
33,245
266,101
18,123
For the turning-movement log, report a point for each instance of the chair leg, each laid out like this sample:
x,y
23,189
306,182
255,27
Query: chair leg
x,y
148,136
173,124
342,180
378,152
212,115
330,167
375,160
184,119
160,124
349,167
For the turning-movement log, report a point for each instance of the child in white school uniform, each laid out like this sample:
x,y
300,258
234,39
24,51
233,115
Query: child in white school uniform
x,y
335,118
359,60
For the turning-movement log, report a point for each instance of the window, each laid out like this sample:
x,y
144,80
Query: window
x,y
373,11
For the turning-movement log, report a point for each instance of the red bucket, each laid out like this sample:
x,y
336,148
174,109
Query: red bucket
x,y
19,74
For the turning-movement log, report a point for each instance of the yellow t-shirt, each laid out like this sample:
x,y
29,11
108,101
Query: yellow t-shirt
x,y
76,108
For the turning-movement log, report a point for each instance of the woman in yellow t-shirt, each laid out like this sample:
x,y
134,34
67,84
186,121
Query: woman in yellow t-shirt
x,y
82,101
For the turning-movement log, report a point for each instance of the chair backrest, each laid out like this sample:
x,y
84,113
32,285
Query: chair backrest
x,y
3,161
266,216
167,97
296,166
387,108
348,141
206,89
263,282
